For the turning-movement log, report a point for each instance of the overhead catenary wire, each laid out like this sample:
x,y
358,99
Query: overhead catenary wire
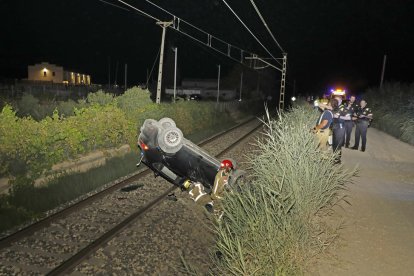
x,y
265,24
111,4
138,10
193,26
248,29
210,37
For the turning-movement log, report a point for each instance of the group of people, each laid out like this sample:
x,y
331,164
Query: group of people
x,y
339,119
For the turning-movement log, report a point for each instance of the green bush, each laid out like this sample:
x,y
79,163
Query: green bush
x,y
275,224
67,108
100,98
393,108
28,105
54,139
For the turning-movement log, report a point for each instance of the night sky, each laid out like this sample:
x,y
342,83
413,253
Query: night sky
x,y
328,42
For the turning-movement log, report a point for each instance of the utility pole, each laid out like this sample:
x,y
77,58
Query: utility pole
x,y
146,85
116,73
164,26
294,87
109,72
126,70
383,70
218,85
282,84
241,85
175,71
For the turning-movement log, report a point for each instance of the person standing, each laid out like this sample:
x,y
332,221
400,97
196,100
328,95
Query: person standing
x,y
364,117
351,106
338,128
322,129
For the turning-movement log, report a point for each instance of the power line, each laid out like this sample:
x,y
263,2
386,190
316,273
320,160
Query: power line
x,y
138,10
189,24
247,28
178,24
111,4
265,24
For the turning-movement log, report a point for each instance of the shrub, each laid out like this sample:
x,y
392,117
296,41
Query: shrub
x,y
100,98
67,108
28,106
54,139
393,108
274,224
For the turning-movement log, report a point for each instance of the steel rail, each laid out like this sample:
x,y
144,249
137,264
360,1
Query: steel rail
x,y
70,264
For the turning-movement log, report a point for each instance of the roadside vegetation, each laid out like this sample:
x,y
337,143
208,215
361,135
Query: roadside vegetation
x,y
278,222
34,137
393,108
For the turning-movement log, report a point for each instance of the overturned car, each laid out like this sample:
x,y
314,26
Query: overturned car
x,y
168,154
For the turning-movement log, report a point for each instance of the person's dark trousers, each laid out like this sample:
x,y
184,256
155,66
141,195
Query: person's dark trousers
x,y
361,132
348,130
338,138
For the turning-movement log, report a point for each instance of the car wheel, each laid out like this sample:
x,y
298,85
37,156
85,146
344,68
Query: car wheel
x,y
149,129
170,140
236,180
167,122
149,125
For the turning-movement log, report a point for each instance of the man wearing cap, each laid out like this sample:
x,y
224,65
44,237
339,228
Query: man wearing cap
x,y
338,128
364,117
351,106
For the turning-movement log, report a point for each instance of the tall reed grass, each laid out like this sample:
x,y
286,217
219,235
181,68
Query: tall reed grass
x,y
275,224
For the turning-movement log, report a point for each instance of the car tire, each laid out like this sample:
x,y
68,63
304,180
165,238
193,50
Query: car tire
x,y
167,122
170,140
150,128
236,180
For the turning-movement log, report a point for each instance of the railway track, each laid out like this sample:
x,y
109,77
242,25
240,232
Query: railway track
x,y
56,244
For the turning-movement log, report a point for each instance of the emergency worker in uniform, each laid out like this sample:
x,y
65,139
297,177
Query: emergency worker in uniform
x,y
322,128
338,128
364,117
200,196
351,106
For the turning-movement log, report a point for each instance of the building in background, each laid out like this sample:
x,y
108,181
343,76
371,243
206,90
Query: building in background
x,y
205,88
56,74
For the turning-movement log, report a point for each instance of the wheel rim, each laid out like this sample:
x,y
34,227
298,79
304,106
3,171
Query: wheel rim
x,y
172,138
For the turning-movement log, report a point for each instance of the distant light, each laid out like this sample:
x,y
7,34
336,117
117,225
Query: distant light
x,y
316,103
293,99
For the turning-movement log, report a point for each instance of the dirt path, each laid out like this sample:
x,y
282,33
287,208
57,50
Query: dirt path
x,y
378,235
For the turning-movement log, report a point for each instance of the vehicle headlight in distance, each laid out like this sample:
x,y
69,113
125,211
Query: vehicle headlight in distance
x,y
293,99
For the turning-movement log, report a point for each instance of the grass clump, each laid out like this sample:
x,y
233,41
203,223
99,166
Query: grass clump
x,y
26,201
276,223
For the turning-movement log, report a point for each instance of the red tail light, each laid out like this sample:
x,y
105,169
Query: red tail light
x,y
143,146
